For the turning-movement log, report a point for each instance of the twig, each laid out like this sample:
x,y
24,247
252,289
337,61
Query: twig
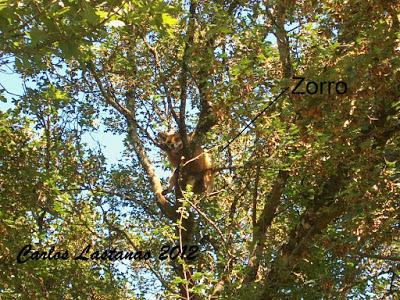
x,y
255,118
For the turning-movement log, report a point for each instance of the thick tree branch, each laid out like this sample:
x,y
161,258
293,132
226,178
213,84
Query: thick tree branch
x,y
183,81
278,20
263,223
313,221
255,197
107,95
137,144
156,57
323,210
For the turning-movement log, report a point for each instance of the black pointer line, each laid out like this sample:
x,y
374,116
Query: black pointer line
x,y
255,118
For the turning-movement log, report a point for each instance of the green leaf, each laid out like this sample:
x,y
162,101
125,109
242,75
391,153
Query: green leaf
x,y
169,20
3,98
69,49
58,207
90,15
101,13
37,36
3,5
197,275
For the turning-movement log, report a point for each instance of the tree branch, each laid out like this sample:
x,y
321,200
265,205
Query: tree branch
x,y
156,57
263,223
282,38
137,144
184,77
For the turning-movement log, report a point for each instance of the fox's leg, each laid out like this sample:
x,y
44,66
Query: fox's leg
x,y
172,181
208,182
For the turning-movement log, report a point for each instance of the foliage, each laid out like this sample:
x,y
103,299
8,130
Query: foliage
x,y
307,199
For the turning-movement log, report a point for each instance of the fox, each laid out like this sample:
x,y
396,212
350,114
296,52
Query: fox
x,y
198,169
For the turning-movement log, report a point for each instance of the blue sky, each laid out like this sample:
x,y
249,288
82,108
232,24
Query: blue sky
x,y
112,145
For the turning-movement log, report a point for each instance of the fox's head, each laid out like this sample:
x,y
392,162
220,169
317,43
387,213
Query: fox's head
x,y
170,141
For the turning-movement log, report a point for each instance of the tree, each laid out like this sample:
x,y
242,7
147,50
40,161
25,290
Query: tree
x,y
307,197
